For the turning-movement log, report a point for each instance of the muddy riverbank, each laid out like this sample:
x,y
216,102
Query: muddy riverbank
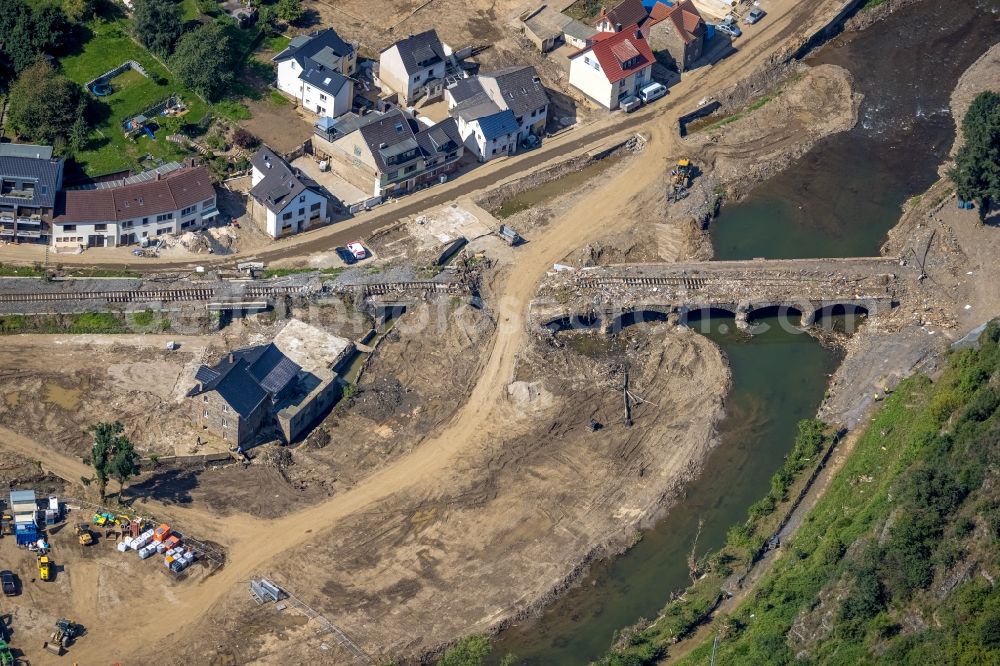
x,y
578,626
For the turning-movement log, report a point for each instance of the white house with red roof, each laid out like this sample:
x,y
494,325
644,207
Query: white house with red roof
x,y
616,65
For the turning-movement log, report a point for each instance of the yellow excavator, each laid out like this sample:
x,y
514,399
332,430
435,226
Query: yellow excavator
x,y
680,179
83,534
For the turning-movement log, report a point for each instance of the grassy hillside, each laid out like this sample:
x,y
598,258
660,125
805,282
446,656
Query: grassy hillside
x,y
896,562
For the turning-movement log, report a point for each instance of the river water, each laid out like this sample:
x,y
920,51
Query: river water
x,y
840,199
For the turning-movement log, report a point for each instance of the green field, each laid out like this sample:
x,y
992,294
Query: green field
x,y
108,149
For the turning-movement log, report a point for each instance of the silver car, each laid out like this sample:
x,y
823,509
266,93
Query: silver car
x,y
754,15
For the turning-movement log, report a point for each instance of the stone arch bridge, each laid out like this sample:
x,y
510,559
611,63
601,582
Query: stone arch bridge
x,y
611,297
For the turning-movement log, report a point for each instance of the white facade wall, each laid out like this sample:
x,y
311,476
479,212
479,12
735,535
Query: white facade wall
x,y
71,236
324,104
393,75
298,215
311,98
586,75
288,78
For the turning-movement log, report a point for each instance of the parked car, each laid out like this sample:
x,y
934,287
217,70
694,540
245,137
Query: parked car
x,y
754,15
730,28
630,104
652,92
357,250
8,582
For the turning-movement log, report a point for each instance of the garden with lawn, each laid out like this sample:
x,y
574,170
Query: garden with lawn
x,y
108,149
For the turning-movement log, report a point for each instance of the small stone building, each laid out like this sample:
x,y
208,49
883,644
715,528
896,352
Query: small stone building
x,y
678,31
288,383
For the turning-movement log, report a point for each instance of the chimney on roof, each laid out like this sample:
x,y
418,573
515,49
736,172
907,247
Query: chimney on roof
x,y
638,33
232,357
157,175
618,27
383,145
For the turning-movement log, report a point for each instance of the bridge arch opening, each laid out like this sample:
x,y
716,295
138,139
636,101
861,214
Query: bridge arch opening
x,y
789,312
574,322
841,317
704,320
645,316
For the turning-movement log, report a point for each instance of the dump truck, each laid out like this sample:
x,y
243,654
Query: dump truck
x,y
84,535
44,567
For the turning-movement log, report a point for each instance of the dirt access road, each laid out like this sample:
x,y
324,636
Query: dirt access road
x,y
786,21
593,215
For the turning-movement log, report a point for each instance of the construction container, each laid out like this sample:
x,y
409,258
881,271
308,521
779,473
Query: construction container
x,y
173,541
161,532
147,552
54,504
122,546
189,557
50,517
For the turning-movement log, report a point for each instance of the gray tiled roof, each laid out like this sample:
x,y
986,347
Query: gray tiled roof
x,y
386,134
281,182
247,377
464,89
321,77
441,138
420,51
25,150
521,89
323,46
44,174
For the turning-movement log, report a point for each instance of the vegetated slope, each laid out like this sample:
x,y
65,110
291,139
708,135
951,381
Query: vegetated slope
x,y
897,562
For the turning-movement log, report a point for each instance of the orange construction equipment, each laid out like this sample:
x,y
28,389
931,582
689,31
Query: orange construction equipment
x,y
161,533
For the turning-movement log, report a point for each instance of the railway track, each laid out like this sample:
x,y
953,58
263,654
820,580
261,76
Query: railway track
x,y
682,282
379,289
145,296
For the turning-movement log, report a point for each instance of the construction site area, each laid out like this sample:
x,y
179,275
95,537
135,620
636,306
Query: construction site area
x,y
363,458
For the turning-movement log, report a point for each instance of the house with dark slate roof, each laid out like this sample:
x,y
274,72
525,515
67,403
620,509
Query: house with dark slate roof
x,y
498,110
415,67
284,200
29,181
315,69
395,153
238,396
288,384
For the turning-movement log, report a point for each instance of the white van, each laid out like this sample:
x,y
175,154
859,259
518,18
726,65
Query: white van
x,y
652,92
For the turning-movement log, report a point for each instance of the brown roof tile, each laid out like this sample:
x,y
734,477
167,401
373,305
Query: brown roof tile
x,y
174,191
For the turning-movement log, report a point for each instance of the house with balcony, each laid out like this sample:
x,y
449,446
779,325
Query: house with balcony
x,y
615,66
316,70
395,154
416,67
172,199
284,200
30,178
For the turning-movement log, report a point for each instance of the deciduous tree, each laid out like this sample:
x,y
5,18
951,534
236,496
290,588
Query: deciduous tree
x,y
43,104
157,25
977,166
289,11
113,455
204,61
